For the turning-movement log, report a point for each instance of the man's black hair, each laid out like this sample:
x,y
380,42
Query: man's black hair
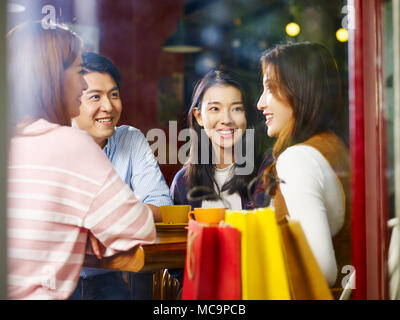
x,y
94,62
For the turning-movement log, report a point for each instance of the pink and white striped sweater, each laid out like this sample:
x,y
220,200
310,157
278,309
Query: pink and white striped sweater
x,y
60,185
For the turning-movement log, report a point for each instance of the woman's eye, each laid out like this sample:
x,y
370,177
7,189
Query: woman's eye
x,y
213,109
115,95
238,109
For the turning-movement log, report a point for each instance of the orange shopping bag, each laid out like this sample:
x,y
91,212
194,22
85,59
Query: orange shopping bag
x,y
306,280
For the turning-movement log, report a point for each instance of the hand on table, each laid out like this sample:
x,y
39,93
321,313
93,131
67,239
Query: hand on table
x,y
97,247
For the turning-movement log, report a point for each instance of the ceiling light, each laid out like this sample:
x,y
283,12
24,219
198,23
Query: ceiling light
x,y
179,42
342,35
15,8
292,29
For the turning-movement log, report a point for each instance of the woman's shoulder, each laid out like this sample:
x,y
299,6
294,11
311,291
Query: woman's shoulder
x,y
180,187
79,143
303,163
299,154
180,182
180,176
77,138
65,139
75,149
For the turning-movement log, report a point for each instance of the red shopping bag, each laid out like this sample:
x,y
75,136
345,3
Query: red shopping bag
x,y
212,268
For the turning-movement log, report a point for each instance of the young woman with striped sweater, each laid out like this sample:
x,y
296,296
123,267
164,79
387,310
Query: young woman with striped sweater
x,y
61,186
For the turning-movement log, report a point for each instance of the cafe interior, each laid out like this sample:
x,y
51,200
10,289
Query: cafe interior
x,y
162,49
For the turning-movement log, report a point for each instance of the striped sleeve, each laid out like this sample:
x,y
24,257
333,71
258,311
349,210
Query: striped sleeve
x,y
117,218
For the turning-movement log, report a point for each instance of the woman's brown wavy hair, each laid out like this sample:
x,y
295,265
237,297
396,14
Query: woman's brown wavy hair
x,y
306,76
37,58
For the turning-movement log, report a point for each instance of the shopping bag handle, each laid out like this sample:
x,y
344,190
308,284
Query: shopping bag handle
x,y
191,260
267,199
205,193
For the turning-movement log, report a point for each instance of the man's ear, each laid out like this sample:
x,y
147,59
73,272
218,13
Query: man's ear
x,y
197,116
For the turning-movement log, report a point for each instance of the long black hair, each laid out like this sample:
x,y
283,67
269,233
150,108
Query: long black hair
x,y
202,174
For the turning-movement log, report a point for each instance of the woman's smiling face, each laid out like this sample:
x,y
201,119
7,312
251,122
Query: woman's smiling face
x,y
222,114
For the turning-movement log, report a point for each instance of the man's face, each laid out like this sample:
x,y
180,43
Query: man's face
x,y
101,107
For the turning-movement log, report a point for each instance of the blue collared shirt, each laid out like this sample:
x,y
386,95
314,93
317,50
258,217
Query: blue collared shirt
x,y
133,159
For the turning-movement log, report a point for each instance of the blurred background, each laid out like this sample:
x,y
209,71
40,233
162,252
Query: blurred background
x,y
163,47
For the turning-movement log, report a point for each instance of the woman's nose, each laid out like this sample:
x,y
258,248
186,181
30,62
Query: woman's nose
x,y
226,117
261,105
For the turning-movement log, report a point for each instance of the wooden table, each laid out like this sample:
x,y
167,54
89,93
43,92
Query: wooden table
x,y
168,252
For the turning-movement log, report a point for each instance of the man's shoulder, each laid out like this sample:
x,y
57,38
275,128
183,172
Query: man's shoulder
x,y
126,130
127,135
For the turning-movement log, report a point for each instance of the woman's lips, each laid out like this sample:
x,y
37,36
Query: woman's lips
x,y
226,133
268,117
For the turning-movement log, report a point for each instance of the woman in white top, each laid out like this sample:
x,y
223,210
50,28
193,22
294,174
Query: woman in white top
x,y
302,104
218,121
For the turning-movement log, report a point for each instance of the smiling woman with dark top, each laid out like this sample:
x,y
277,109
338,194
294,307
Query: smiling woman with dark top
x,y
218,119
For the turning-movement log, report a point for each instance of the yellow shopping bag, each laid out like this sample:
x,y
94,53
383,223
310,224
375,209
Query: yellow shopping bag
x,y
263,266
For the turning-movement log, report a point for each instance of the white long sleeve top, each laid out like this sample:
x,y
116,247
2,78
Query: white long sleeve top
x,y
314,197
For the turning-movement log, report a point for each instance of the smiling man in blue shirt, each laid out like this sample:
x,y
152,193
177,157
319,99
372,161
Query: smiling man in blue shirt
x,y
129,152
